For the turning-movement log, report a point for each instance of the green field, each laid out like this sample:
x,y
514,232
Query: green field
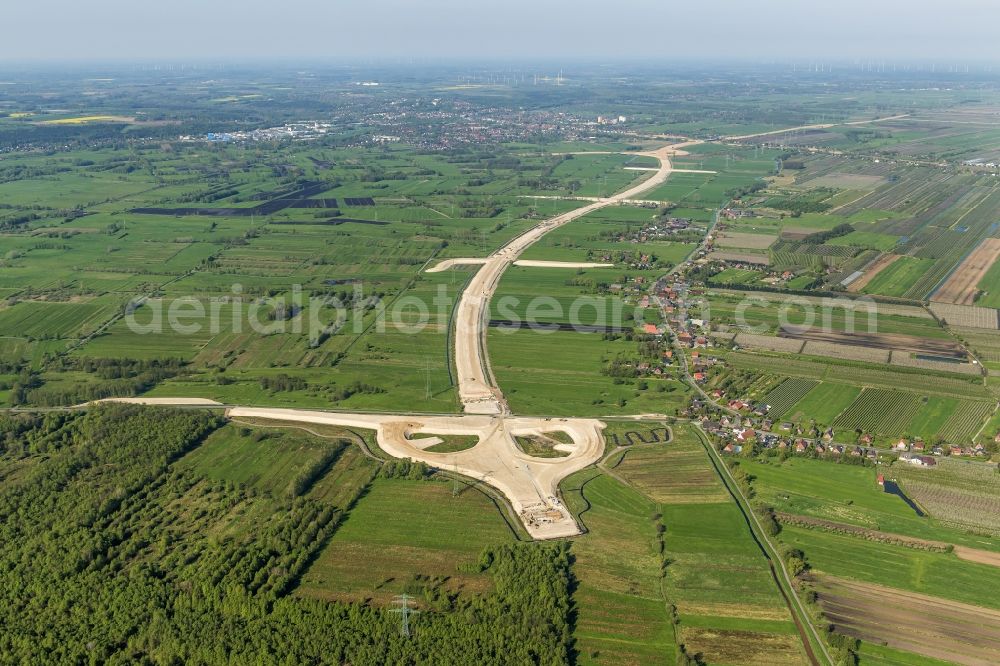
x,y
868,239
560,373
936,574
708,556
824,403
888,413
848,494
269,460
898,277
622,614
391,543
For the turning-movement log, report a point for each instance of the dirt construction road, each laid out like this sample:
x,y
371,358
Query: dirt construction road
x,y
476,388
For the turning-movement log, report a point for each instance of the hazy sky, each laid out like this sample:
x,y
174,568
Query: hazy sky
x,y
629,29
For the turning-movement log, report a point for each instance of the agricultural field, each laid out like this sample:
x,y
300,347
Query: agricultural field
x,y
204,245
619,564
897,278
887,403
823,403
962,493
391,543
950,631
38,320
787,394
731,276
989,288
561,374
867,239
745,241
847,494
926,572
673,474
851,372
962,286
727,603
879,228
771,312
622,616
269,460
887,413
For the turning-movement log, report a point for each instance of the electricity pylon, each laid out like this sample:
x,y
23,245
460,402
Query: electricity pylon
x,y
405,612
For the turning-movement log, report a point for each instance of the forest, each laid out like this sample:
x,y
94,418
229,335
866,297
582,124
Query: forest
x,y
115,552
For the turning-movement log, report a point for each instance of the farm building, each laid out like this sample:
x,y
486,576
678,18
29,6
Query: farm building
x,y
919,461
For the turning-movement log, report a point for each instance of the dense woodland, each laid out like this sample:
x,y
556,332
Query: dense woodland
x,y
115,553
